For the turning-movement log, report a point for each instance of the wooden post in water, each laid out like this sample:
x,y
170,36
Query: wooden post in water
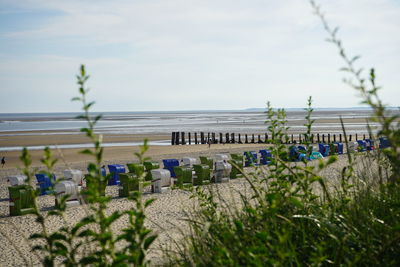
x,y
183,138
334,138
266,138
252,139
350,138
323,138
239,139
259,139
202,138
213,138
364,137
291,139
233,138
190,139
173,138
329,138
195,138
246,140
356,137
227,138
220,138
340,138
318,140
312,138
177,138
299,138
208,137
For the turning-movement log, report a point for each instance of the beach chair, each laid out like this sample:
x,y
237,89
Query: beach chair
x,y
302,149
74,175
222,172
265,157
115,170
169,164
187,161
17,179
316,155
129,182
362,145
323,149
208,161
384,142
148,166
136,168
45,183
161,180
237,165
339,148
202,173
333,148
221,157
95,183
184,175
69,189
370,144
250,158
353,146
295,155
21,199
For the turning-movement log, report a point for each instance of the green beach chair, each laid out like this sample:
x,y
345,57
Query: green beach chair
x,y
135,168
208,161
148,166
21,200
129,182
203,174
183,174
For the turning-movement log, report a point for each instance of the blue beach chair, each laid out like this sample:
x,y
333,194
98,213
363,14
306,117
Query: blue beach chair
x,y
45,183
250,158
370,144
384,142
362,145
266,156
324,149
115,170
169,164
339,148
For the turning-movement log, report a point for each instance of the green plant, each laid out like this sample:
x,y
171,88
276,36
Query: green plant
x,y
285,221
368,89
93,234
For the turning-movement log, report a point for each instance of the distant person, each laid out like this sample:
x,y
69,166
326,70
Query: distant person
x,y
209,142
3,161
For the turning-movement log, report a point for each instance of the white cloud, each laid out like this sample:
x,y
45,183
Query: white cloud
x,y
185,54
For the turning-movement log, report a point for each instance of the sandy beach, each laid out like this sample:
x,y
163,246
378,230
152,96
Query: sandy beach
x,y
165,216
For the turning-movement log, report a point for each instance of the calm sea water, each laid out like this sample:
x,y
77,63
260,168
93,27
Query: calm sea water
x,y
239,121
167,122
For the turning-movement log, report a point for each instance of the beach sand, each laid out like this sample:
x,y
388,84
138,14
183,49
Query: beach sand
x,y
165,216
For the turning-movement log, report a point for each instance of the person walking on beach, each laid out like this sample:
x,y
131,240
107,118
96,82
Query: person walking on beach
x,y
3,161
209,142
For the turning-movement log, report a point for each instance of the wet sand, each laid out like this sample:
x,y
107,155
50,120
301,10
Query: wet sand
x,y
47,138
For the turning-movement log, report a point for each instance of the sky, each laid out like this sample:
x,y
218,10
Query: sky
x,y
158,55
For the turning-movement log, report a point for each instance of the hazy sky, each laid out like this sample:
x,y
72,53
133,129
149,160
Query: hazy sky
x,y
185,55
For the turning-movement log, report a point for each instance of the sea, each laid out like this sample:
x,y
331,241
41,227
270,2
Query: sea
x,y
156,122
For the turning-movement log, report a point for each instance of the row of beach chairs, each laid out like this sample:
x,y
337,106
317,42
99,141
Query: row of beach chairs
x,y
219,169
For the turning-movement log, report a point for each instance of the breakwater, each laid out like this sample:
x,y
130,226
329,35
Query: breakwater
x,y
196,138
